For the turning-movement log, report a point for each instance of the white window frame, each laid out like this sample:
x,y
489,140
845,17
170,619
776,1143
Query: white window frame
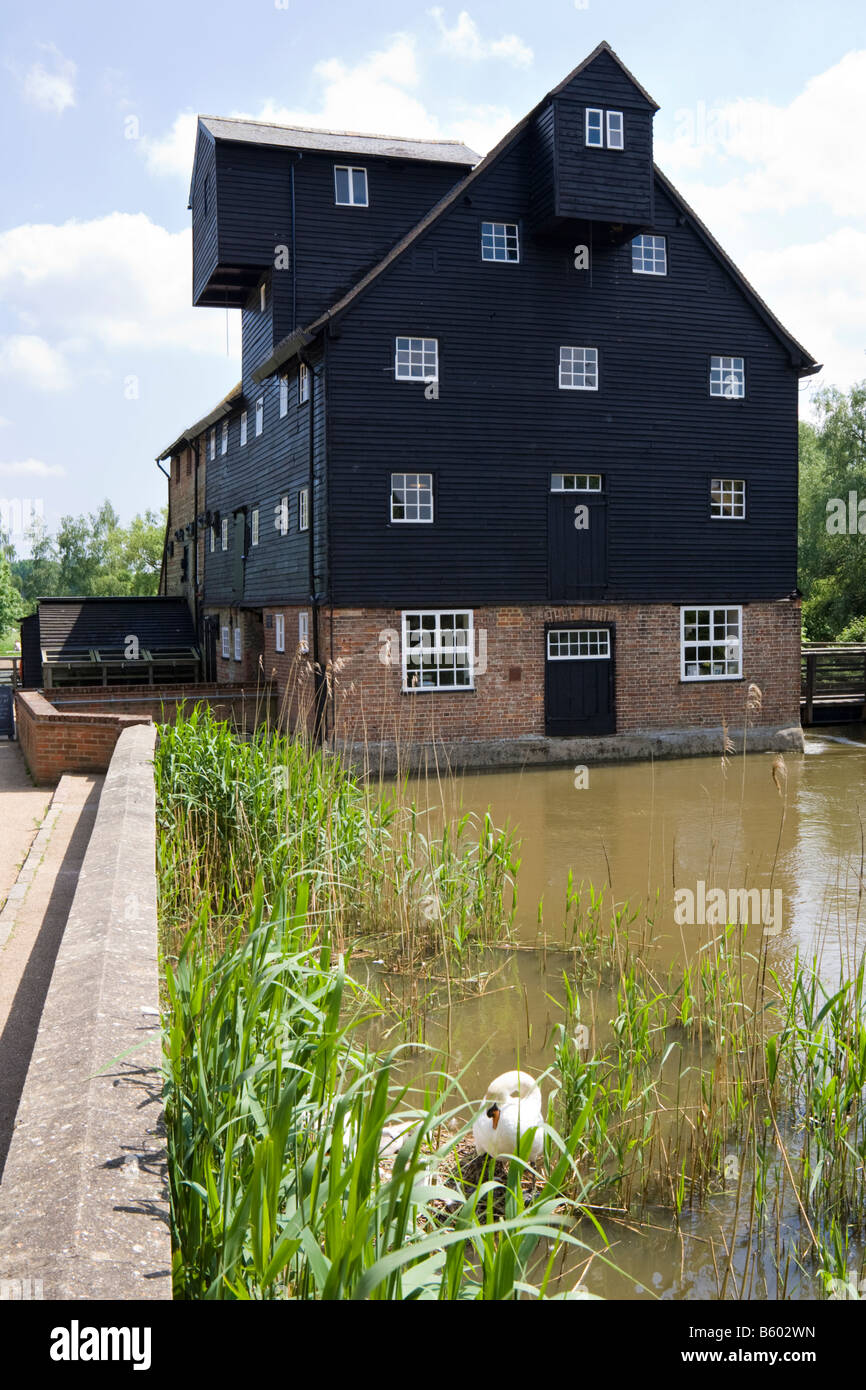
x,y
732,494
568,365
580,643
643,264
592,482
224,438
599,143
238,653
254,526
279,632
727,374
225,649
304,632
284,515
497,239
437,647
260,415
304,509
615,144
418,504
284,396
243,428
411,348
211,442
352,202
303,384
712,641
224,533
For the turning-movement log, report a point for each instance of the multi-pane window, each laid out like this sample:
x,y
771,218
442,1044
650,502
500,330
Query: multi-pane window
x,y
243,427
304,632
224,439
615,132
284,396
304,509
578,368
417,359
578,643
254,526
225,642
411,496
649,255
728,377
211,444
575,482
594,127
499,241
303,383
728,499
260,414
280,632
224,538
437,651
283,516
237,644
711,644
350,186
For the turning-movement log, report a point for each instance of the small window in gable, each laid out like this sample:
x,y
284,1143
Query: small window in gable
x,y
728,377
350,186
594,127
417,359
615,135
649,255
499,241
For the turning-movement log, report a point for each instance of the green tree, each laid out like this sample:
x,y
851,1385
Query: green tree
x,y
832,564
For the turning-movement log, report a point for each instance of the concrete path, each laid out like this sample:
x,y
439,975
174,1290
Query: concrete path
x,y
22,807
33,919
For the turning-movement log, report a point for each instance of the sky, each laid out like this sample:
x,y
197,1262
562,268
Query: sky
x,y
103,359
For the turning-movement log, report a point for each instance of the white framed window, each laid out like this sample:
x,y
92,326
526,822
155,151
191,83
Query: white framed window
x,y
575,482
350,186
224,438
412,497
254,526
225,642
263,298
304,632
243,427
438,650
284,396
578,644
594,127
213,539
578,369
304,509
303,383
615,131
728,499
260,415
211,443
280,632
711,646
237,644
728,377
499,241
224,533
649,255
416,359
283,516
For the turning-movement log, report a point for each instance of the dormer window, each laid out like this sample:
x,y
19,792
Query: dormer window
x,y
350,186
599,123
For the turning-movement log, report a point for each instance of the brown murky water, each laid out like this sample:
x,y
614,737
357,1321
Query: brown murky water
x,y
649,830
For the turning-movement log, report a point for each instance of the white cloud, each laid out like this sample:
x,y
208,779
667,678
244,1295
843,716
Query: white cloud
x,y
464,41
51,88
34,362
4,421
108,288
32,468
173,154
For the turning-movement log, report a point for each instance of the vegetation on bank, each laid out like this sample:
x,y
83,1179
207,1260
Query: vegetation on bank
x,y
672,1087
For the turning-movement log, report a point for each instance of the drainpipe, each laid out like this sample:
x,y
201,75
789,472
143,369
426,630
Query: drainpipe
x,y
195,546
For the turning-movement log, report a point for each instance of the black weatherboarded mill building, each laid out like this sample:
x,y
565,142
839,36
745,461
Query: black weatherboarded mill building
x,y
514,457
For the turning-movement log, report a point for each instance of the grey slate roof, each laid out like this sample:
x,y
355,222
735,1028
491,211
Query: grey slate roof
x,y
338,141
68,625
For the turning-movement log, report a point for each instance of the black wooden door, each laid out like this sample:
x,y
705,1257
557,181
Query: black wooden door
x,y
579,681
577,545
209,648
7,716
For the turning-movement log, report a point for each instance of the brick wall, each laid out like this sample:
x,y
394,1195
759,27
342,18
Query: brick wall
x,y
250,670
181,512
291,670
508,702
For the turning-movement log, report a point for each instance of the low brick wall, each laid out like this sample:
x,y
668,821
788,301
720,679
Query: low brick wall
x,y
77,729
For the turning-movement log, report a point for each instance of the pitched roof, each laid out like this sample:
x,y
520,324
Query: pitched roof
x,y
603,47
338,141
68,626
300,337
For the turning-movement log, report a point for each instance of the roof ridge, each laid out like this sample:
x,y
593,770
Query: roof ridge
x,y
326,130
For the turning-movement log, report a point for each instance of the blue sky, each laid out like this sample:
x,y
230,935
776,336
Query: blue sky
x,y
103,360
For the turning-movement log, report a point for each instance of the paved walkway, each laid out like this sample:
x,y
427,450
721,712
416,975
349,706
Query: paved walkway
x,y
22,807
33,919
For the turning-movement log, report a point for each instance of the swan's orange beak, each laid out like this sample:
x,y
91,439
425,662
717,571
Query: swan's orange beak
x,y
493,1114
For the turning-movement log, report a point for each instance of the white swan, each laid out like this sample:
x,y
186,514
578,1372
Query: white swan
x,y
512,1108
